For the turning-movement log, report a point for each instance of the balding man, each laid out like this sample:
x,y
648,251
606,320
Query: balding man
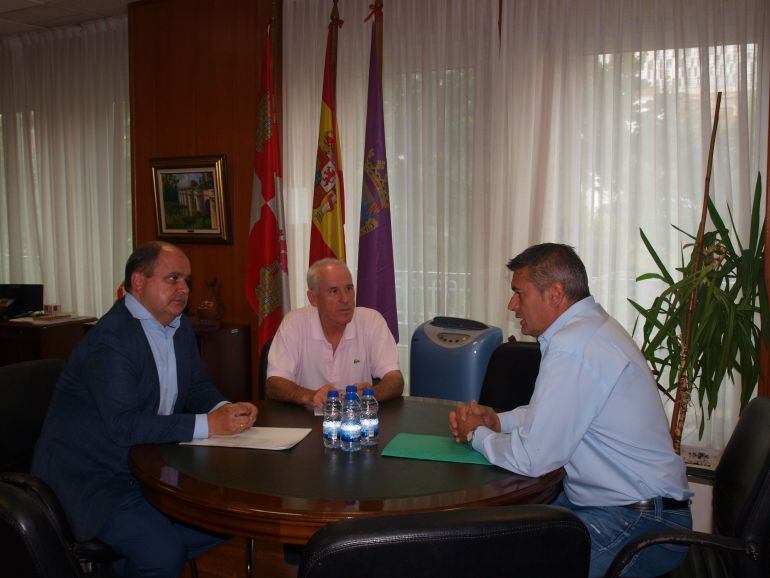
x,y
135,378
331,344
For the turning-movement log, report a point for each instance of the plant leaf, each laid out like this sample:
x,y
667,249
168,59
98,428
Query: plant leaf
x,y
655,258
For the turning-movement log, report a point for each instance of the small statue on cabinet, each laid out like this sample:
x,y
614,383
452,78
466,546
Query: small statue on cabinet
x,y
210,309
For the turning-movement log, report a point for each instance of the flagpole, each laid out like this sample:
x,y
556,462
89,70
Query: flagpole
x,y
377,31
335,23
334,27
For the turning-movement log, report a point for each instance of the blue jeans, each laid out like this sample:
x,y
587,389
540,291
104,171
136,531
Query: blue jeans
x,y
153,544
611,527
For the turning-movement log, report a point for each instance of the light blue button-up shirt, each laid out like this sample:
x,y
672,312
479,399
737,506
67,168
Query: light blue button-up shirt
x,y
595,411
161,339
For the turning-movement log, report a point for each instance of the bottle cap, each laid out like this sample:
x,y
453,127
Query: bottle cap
x,y
332,393
352,388
368,392
350,395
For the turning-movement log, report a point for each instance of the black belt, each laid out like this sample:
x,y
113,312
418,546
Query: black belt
x,y
668,504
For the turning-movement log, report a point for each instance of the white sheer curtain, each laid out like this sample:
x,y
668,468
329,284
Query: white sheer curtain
x,y
606,110
433,52
65,175
585,121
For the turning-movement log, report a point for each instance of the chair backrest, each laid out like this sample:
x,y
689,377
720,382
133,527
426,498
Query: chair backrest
x,y
93,552
32,546
741,496
511,375
521,541
25,391
263,368
42,493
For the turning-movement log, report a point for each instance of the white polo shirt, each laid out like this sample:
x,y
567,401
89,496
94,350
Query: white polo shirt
x,y
301,353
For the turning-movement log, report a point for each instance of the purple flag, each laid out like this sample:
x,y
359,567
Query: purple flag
x,y
376,276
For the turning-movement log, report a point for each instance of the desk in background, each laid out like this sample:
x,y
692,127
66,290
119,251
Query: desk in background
x,y
27,341
285,496
226,351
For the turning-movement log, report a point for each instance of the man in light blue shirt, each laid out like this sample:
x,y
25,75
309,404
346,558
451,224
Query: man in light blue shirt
x,y
595,411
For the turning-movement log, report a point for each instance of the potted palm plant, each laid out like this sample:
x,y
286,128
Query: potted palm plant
x,y
708,321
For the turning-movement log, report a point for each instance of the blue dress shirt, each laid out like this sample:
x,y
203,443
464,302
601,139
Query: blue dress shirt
x,y
595,411
161,338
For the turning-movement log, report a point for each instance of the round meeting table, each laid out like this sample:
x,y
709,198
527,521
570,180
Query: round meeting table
x,y
285,496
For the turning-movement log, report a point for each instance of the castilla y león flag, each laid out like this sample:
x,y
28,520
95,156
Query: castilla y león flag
x,y
267,272
327,237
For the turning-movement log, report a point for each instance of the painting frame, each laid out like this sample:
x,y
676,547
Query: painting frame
x,y
197,211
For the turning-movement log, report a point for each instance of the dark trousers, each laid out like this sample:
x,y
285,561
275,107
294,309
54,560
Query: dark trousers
x,y
153,544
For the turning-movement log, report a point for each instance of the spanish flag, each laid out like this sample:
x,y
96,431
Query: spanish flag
x,y
327,237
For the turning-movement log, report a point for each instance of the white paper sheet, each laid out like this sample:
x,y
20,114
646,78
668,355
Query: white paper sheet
x,y
258,438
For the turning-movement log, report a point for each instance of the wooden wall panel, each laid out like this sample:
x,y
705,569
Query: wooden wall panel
x,y
194,70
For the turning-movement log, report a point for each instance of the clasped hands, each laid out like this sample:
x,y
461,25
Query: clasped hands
x,y
232,418
467,417
319,396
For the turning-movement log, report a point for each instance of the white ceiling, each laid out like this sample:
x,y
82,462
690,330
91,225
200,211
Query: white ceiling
x,y
28,15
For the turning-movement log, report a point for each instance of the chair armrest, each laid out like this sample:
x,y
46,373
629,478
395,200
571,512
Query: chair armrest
x,y
681,537
95,551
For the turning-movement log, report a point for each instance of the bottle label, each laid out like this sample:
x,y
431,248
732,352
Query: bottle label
x,y
350,432
370,427
331,430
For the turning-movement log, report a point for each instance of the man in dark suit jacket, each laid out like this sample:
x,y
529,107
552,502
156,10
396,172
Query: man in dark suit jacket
x,y
135,378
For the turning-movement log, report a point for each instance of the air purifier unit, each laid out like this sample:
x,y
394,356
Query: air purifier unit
x,y
448,357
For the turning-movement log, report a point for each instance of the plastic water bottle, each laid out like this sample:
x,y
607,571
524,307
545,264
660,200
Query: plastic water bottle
x,y
332,420
350,430
370,420
354,390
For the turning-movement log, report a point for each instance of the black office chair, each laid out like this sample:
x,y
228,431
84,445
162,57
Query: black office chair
x,y
511,374
31,545
94,556
26,390
263,368
521,541
740,545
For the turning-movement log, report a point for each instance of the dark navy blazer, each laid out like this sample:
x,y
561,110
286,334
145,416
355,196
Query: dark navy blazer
x,y
105,402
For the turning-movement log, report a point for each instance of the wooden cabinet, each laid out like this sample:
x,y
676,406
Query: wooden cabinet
x,y
225,350
22,341
227,354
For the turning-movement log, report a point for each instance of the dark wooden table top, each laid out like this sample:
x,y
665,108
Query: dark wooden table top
x,y
287,495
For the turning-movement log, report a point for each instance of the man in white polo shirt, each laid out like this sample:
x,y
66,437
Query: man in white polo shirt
x,y
331,344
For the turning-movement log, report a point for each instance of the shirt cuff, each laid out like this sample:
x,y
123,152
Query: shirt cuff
x,y
482,432
280,373
201,431
386,370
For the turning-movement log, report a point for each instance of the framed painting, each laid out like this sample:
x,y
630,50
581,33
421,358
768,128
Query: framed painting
x,y
190,203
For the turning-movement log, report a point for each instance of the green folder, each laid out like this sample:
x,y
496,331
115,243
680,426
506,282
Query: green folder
x,y
435,448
